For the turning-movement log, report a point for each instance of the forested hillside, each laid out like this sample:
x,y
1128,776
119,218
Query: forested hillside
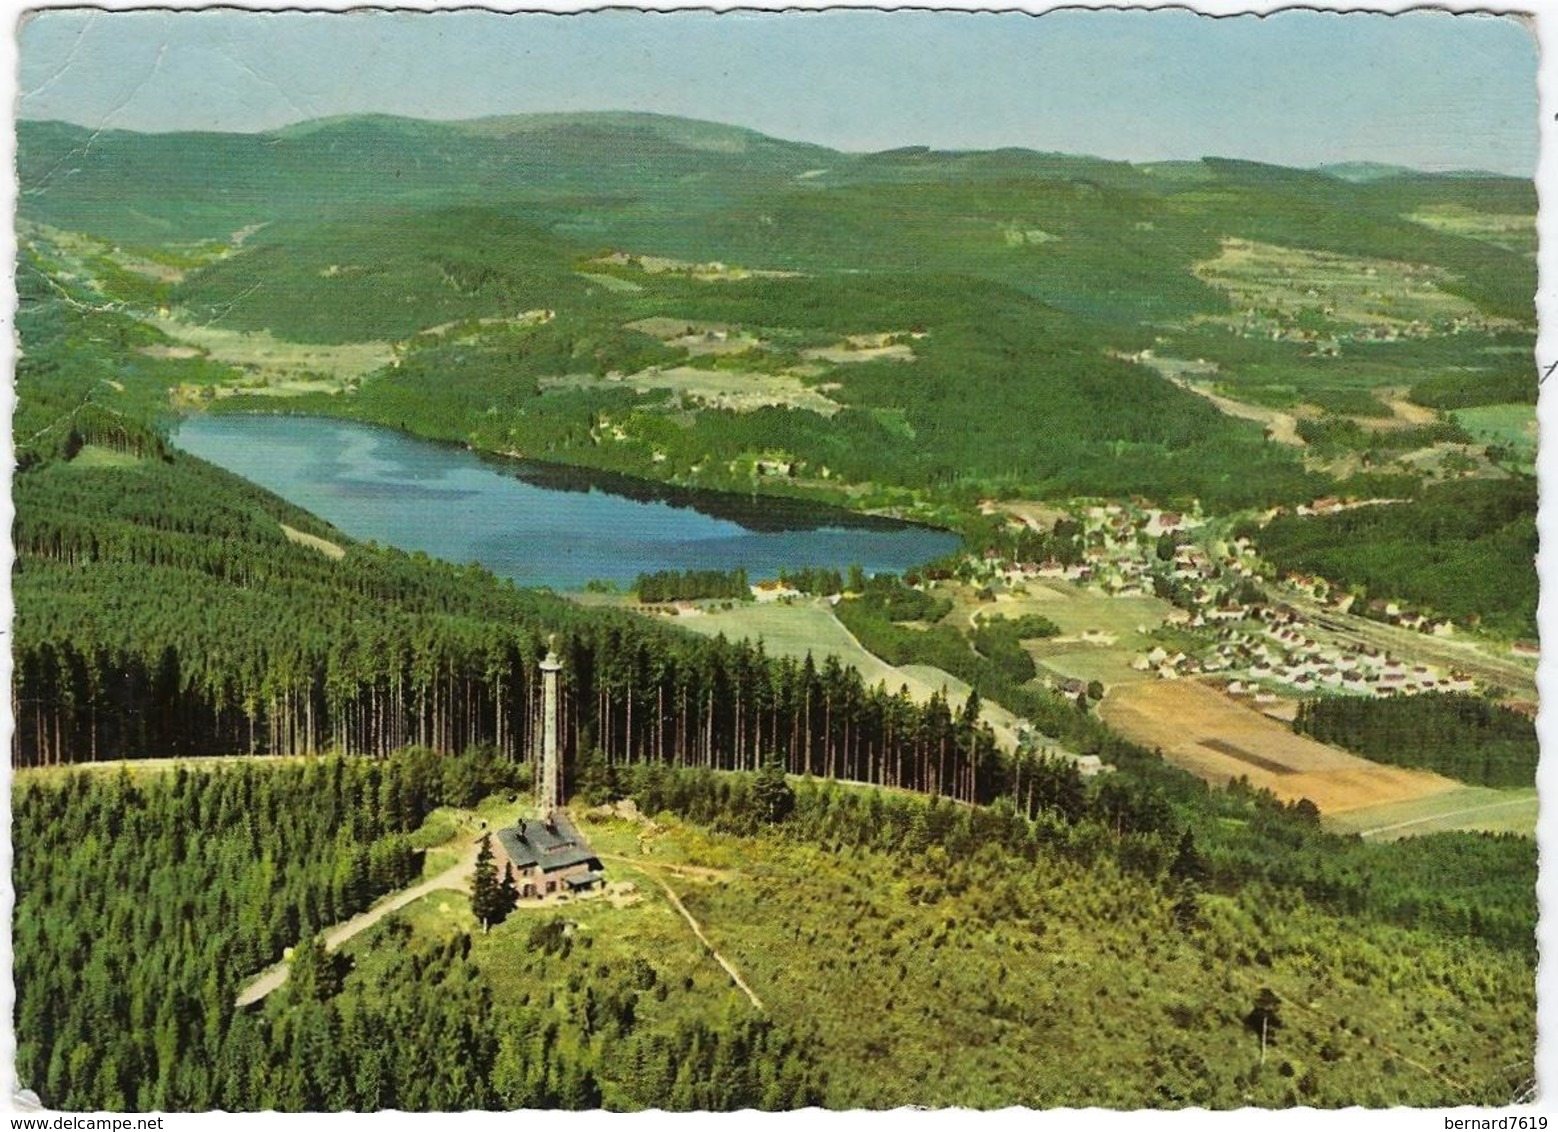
x,y
1152,950
1465,737
515,264
1465,550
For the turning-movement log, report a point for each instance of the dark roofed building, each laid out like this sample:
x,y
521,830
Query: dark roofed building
x,y
548,856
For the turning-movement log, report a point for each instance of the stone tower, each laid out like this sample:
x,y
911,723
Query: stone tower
x,y
551,767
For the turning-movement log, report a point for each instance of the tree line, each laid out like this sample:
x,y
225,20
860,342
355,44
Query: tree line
x,y
692,585
1466,737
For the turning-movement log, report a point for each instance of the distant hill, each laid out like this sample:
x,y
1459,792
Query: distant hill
x,y
1362,172
136,187
1024,280
192,186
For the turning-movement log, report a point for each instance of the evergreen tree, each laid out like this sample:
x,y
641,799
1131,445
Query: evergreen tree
x,y
1265,1019
491,898
315,974
771,799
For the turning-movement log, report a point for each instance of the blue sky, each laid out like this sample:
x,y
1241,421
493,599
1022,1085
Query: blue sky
x,y
1425,89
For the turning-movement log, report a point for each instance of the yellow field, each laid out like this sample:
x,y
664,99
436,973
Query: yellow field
x,y
275,363
1218,739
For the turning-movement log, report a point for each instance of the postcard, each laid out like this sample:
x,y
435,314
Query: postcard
x,y
834,560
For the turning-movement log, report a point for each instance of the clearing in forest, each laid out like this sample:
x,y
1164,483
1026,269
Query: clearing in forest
x,y
1195,377
329,549
1218,739
1510,426
1310,291
101,456
864,348
273,366
739,391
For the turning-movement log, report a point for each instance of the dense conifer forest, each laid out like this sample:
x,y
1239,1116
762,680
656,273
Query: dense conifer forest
x,y
1464,737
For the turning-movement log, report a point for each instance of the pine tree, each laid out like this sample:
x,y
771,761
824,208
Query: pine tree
x,y
491,899
771,798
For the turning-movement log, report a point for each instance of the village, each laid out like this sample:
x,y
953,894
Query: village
x,y
1230,618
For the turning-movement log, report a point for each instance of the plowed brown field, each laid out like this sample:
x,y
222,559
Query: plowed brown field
x,y
1219,739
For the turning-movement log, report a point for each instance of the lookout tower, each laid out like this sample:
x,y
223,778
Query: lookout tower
x,y
550,786
547,853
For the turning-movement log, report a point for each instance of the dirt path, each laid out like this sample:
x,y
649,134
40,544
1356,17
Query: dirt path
x,y
1410,415
653,868
1283,427
730,969
666,866
457,877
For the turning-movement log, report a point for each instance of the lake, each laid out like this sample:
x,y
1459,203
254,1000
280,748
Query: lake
x,y
539,524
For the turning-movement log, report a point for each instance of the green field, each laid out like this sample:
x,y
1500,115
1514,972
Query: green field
x,y
1510,426
1110,665
1100,635
805,626
1469,808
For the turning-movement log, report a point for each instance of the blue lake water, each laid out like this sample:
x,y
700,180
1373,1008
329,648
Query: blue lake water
x,y
539,524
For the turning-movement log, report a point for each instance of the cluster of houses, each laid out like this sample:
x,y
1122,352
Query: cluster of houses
x,y
1328,333
1259,646
1376,609
1119,551
1271,647
1260,324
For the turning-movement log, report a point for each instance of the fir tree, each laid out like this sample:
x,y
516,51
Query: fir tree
x,y
491,898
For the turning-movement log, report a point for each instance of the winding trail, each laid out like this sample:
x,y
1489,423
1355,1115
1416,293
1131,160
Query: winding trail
x,y
456,877
654,868
1282,426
